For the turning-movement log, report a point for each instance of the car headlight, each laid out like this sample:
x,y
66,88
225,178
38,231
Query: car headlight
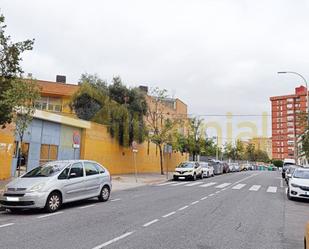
x,y
294,185
37,187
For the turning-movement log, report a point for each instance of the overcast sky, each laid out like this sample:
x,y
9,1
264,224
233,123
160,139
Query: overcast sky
x,y
218,56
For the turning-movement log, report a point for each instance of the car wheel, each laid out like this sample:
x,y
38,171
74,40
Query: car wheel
x,y
53,202
202,175
104,194
13,210
194,177
175,178
289,196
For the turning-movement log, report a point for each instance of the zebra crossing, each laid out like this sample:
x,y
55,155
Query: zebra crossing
x,y
235,186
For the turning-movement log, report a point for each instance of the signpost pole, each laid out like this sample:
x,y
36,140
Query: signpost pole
x,y
134,150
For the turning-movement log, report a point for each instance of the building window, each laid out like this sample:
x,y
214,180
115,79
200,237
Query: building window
x,y
290,118
48,153
289,105
49,104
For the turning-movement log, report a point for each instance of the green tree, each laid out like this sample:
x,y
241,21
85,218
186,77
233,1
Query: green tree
x,y
278,163
161,128
250,152
10,69
23,95
120,108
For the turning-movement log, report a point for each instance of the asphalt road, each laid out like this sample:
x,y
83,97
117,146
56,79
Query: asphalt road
x,y
246,210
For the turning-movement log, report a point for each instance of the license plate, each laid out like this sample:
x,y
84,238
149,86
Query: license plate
x,y
12,198
182,177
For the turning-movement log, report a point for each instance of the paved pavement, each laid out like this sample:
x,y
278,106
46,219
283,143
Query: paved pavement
x,y
247,210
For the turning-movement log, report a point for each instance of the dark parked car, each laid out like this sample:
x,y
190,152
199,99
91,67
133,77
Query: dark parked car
x,y
226,168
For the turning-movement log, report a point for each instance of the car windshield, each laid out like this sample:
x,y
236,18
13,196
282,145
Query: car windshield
x,y
46,170
186,165
304,174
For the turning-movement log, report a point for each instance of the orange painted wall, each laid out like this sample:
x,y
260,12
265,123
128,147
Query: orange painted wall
x,y
6,152
99,146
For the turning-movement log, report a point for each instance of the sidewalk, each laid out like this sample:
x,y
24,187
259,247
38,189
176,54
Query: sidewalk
x,y
122,182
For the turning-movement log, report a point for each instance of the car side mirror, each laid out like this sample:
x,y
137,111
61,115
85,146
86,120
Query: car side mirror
x,y
72,175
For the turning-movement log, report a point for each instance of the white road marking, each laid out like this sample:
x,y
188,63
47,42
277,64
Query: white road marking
x,y
239,186
223,185
48,215
6,225
195,202
167,215
113,200
193,184
165,183
150,223
224,189
286,190
183,208
255,188
204,198
272,189
179,183
218,192
211,195
88,206
208,184
113,240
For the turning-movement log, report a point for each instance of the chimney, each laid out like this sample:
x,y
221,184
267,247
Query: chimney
x,y
61,78
143,89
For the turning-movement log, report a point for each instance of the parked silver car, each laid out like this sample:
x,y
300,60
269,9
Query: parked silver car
x,y
57,182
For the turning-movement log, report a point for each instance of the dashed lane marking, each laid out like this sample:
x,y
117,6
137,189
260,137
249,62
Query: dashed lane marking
x,y
113,200
113,240
195,202
48,215
204,198
169,214
271,189
183,208
6,225
211,195
255,188
88,206
150,223
239,186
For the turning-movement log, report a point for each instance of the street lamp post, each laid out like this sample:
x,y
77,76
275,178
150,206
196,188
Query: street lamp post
x,y
303,78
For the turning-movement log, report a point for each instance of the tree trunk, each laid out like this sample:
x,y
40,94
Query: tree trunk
x,y
161,159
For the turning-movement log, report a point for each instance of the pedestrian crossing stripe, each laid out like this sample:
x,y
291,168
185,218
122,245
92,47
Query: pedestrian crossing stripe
x,y
271,189
165,183
223,185
255,188
239,186
208,184
194,184
179,183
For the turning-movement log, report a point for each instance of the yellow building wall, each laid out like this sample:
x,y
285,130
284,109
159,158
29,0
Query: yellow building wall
x,y
6,152
99,146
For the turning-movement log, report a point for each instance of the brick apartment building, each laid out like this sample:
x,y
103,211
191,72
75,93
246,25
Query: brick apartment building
x,y
287,125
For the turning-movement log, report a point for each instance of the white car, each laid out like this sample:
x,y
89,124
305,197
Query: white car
x,y
208,170
299,184
188,170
